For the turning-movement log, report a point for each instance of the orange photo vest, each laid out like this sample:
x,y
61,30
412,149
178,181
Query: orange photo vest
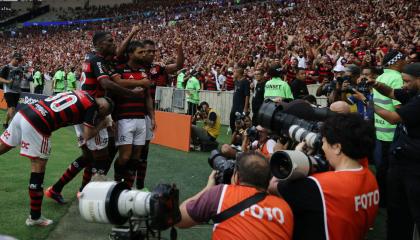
x,y
271,218
350,202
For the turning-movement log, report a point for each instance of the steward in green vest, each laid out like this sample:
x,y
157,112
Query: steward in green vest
x,y
393,63
38,82
276,87
58,81
71,80
180,79
193,97
392,78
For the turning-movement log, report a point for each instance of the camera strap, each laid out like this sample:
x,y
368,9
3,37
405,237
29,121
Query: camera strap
x,y
237,208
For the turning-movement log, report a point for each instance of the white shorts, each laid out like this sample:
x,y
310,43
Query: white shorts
x,y
131,131
149,129
100,141
32,143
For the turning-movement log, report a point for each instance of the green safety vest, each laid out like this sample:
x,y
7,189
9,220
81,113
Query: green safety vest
x,y
276,87
193,85
385,130
59,81
180,81
37,78
71,81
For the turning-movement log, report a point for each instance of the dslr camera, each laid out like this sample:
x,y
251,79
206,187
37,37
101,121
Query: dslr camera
x,y
298,121
223,166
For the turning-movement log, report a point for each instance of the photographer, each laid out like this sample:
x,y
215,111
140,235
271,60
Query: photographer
x,y
242,124
363,95
258,139
346,84
403,178
211,129
339,204
270,218
11,75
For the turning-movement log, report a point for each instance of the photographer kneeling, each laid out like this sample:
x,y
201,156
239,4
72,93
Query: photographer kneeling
x,y
268,217
338,204
211,129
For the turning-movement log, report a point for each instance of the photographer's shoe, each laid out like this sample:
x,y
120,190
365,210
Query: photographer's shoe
x,y
42,221
55,196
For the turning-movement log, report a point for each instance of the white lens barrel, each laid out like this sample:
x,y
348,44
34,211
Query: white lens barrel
x,y
300,165
92,201
136,201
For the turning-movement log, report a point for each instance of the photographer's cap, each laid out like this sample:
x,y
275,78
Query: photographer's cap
x,y
339,68
353,69
392,57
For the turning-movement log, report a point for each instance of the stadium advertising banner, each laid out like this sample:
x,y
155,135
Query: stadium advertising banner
x,y
29,98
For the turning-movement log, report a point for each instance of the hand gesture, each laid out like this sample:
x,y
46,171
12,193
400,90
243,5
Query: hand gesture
x,y
135,29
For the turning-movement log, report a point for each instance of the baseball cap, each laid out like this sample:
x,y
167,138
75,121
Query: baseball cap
x,y
339,68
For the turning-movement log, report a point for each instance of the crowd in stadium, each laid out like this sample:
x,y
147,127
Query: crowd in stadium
x,y
316,36
363,54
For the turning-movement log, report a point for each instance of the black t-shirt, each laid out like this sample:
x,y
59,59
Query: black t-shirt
x,y
299,89
259,96
409,111
242,89
304,198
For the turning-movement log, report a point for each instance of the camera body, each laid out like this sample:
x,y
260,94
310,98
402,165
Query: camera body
x,y
223,166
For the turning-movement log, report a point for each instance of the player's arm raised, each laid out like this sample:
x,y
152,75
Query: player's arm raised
x,y
172,68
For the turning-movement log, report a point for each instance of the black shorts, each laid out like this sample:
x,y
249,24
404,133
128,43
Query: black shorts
x,y
12,99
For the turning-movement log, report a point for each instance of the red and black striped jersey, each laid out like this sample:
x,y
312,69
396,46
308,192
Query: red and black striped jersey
x,y
291,74
94,69
229,84
60,110
157,74
130,107
210,83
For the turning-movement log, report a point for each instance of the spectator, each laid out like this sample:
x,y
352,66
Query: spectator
x,y
298,86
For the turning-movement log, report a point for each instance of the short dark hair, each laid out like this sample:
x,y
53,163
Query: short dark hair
x,y
133,45
275,71
149,42
356,136
254,169
99,36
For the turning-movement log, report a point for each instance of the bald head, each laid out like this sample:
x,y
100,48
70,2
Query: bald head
x,y
253,169
340,107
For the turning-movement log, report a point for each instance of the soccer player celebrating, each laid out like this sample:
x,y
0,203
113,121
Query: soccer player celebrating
x,y
32,126
156,73
130,113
